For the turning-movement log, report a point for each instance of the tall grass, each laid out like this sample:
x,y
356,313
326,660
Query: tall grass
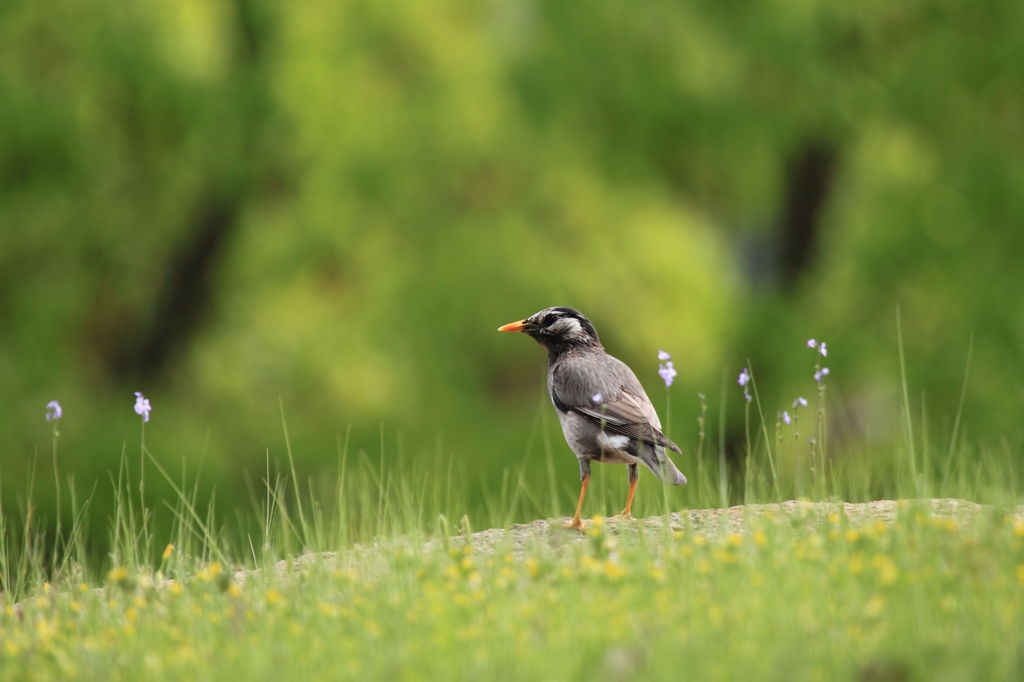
x,y
370,497
802,596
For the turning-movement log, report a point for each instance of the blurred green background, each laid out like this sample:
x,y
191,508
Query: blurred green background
x,y
236,204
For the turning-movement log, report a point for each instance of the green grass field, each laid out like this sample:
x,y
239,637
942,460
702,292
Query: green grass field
x,y
379,574
807,595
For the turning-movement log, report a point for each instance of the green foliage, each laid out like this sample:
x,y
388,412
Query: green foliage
x,y
394,180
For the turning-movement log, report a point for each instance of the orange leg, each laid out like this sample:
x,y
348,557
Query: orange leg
x,y
634,478
576,524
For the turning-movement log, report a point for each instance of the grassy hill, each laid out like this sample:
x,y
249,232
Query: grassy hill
x,y
926,589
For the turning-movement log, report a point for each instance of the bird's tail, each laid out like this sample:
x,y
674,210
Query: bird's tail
x,y
659,462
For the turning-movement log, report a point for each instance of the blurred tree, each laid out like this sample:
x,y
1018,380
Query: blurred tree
x,y
183,295
354,195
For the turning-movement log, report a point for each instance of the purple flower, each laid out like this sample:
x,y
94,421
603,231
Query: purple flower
x,y
821,374
142,406
819,346
53,411
744,379
799,402
786,418
597,398
667,373
663,356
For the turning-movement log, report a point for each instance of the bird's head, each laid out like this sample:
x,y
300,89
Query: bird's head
x,y
557,329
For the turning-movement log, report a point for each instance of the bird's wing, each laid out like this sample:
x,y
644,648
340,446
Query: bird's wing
x,y
623,408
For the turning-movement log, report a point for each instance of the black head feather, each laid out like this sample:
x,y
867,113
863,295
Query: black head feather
x,y
560,328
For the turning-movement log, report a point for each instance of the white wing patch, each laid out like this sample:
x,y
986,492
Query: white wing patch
x,y
612,441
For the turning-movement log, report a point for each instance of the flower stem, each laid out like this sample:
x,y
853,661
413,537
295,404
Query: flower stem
x,y
56,482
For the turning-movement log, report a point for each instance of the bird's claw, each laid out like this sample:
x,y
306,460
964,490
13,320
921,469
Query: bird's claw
x,y
575,524
623,515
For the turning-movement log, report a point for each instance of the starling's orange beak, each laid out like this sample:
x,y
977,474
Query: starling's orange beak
x,y
513,326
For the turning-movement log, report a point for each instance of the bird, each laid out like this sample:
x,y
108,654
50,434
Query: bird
x,y
604,412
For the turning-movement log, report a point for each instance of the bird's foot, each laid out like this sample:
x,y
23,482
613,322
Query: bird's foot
x,y
575,524
623,515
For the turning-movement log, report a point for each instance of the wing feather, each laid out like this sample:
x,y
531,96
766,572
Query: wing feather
x,y
624,407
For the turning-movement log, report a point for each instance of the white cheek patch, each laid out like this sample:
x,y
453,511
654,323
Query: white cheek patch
x,y
610,441
567,326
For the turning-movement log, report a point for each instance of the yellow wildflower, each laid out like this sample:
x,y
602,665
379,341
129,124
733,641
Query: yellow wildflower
x,y
45,629
167,551
886,567
613,570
